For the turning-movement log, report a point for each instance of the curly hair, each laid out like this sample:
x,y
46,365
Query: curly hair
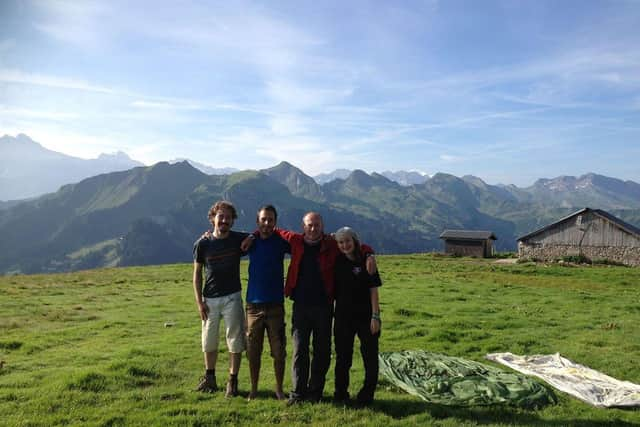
x,y
220,205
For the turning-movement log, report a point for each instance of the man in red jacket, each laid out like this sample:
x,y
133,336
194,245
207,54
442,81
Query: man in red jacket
x,y
310,283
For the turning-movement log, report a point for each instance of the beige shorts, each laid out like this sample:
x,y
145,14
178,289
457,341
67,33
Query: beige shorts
x,y
229,308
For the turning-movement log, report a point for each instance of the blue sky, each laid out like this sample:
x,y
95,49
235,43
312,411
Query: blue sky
x,y
509,91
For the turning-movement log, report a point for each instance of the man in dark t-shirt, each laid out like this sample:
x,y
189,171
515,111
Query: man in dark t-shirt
x,y
310,283
219,296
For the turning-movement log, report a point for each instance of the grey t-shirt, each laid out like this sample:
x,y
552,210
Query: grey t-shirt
x,y
221,260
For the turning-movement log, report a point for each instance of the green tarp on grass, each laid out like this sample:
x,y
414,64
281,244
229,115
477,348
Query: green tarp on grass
x,y
454,381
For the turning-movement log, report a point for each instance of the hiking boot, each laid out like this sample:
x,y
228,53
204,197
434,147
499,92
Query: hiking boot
x,y
232,386
314,398
207,384
294,401
365,398
341,398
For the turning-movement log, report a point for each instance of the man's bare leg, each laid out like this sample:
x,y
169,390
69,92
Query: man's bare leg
x,y
208,382
234,363
234,367
210,359
254,372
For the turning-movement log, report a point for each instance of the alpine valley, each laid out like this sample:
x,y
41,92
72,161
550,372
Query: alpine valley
x,y
152,215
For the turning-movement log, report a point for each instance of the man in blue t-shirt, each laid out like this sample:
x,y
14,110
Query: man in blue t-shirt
x,y
265,299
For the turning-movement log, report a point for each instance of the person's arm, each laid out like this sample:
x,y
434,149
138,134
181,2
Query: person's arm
x,y
247,242
372,265
368,253
197,289
375,311
285,234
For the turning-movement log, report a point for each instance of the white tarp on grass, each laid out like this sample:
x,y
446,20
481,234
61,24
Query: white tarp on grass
x,y
580,381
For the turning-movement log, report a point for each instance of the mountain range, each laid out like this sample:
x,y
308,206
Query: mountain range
x,y
27,169
401,177
152,215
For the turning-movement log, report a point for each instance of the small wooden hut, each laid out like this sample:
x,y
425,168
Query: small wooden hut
x,y
590,233
468,243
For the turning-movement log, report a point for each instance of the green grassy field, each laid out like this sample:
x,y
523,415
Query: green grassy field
x,y
92,348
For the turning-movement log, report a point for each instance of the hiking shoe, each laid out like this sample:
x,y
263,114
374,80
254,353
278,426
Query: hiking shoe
x,y
232,386
294,401
341,398
365,398
314,398
207,384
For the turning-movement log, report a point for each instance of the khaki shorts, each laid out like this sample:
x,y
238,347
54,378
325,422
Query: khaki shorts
x,y
269,317
229,308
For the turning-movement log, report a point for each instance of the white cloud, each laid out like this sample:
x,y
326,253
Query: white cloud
x,y
292,96
37,114
149,104
282,125
562,79
450,159
162,105
244,32
261,148
80,23
17,76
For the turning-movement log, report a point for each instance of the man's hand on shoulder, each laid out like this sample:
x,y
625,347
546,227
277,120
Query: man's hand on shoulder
x,y
207,235
245,245
372,265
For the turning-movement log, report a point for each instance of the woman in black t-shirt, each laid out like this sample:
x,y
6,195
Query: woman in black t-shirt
x,y
357,312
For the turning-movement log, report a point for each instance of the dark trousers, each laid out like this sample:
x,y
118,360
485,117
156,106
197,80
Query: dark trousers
x,y
345,329
307,321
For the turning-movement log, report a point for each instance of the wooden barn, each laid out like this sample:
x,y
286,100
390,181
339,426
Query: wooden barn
x,y
468,243
591,233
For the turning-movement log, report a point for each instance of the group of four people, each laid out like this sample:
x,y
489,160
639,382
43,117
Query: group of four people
x,y
328,276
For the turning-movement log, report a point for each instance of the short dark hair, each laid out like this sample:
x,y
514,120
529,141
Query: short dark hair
x,y
269,208
218,206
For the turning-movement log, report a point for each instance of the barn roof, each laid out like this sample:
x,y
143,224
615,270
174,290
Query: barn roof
x,y
468,235
606,215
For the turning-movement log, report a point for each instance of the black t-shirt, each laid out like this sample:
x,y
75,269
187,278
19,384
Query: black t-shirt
x,y
309,288
221,260
352,287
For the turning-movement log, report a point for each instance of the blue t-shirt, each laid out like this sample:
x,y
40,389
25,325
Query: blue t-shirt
x,y
266,270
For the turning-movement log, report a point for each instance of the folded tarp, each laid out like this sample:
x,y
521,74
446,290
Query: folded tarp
x,y
580,381
454,381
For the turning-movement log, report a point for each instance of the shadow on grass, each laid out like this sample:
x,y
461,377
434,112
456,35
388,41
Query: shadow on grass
x,y
264,395
399,409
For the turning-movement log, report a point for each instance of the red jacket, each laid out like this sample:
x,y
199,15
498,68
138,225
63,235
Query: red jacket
x,y
326,260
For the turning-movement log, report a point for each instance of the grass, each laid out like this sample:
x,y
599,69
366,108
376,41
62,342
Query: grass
x,y
92,348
